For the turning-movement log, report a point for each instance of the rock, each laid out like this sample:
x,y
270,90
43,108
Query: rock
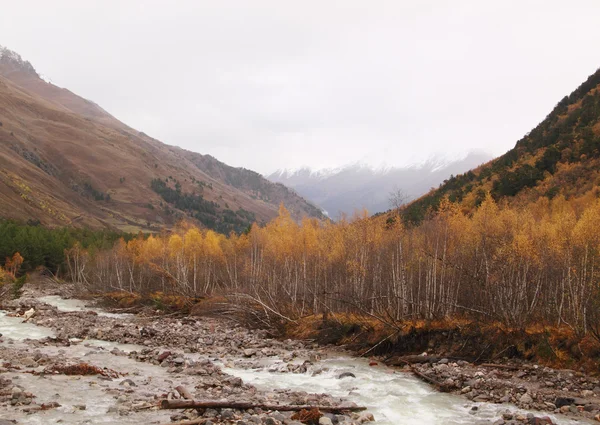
x,y
28,362
540,421
324,420
210,413
127,383
227,414
163,356
507,416
269,421
179,360
526,398
334,418
563,401
365,417
346,375
249,352
80,406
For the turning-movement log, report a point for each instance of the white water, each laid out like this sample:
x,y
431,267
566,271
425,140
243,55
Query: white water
x,y
394,398
14,328
78,305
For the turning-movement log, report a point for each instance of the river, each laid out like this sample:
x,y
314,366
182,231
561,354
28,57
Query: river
x,y
394,397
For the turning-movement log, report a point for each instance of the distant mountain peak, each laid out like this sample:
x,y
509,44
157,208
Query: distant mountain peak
x,y
359,184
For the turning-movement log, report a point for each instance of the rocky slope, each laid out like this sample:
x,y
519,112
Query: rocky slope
x,y
66,161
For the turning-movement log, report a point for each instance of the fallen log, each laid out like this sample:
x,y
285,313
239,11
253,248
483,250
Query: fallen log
x,y
431,381
198,421
416,359
223,404
503,366
183,392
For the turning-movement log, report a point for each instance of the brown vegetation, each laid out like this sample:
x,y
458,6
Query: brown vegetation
x,y
82,369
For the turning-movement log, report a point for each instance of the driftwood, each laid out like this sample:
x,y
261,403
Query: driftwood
x,y
212,404
503,366
198,421
415,359
434,382
183,392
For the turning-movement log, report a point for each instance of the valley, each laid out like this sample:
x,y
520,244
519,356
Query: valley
x,y
144,282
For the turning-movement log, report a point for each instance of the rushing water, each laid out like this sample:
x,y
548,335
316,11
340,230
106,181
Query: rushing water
x,y
395,398
15,328
78,305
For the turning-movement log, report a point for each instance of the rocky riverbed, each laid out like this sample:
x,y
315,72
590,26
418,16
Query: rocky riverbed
x,y
137,362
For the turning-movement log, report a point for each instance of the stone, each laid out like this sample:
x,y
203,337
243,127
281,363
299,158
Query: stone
x,y
346,375
29,362
526,398
334,418
540,421
179,360
163,356
324,420
249,352
269,421
563,401
227,414
365,417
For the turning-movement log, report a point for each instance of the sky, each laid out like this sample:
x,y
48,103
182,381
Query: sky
x,y
271,84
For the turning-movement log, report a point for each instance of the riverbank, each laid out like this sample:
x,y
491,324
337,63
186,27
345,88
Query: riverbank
x,y
144,359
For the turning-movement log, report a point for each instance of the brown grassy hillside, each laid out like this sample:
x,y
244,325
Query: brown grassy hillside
x,y
66,161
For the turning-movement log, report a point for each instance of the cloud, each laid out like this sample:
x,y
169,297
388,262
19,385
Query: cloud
x,y
268,84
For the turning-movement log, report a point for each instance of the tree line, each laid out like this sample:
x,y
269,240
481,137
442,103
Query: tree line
x,y
44,247
512,265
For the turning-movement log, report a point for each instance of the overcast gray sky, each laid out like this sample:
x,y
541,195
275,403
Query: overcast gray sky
x,y
282,84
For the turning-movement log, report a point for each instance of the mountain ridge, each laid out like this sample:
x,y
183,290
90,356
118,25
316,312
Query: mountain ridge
x,y
357,185
558,157
66,161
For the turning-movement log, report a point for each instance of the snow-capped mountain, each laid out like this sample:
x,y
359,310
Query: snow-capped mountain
x,y
358,186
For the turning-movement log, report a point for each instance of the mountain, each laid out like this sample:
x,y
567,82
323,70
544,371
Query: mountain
x,y
356,186
559,157
66,161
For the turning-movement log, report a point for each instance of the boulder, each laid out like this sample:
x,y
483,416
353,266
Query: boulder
x,y
563,401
